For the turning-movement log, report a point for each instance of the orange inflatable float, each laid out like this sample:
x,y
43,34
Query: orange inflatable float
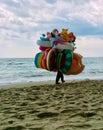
x,y
77,66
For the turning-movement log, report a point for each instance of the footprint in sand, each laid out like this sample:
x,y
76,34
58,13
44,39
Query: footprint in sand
x,y
47,115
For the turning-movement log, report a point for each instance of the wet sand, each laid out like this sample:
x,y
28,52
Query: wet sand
x,y
73,105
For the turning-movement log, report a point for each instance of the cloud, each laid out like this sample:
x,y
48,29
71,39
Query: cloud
x,y
90,10
22,22
90,46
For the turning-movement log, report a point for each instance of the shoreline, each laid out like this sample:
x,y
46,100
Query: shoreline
x,y
50,82
45,106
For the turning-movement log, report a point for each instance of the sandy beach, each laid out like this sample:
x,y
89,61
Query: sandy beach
x,y
73,105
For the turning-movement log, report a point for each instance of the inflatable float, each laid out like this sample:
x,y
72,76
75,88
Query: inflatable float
x,y
51,59
67,62
57,53
65,45
42,48
77,66
46,44
64,60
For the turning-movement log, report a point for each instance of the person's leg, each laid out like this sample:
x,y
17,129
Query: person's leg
x,y
58,77
62,77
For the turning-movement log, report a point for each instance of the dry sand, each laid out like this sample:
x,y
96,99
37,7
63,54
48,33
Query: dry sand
x,y
74,105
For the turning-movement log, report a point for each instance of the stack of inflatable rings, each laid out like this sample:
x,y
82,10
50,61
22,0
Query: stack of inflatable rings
x,y
68,61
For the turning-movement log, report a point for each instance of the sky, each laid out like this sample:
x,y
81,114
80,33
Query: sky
x,y
22,22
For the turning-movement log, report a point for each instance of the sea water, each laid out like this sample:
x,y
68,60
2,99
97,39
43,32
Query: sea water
x,y
19,70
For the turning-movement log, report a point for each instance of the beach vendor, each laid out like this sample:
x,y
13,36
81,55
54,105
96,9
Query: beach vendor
x,y
55,33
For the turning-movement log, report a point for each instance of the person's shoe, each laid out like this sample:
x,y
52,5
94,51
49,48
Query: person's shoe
x,y
63,81
57,83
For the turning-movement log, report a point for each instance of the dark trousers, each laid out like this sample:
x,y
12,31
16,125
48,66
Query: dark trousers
x,y
58,76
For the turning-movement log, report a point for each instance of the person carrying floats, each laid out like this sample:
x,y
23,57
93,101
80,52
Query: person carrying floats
x,y
55,34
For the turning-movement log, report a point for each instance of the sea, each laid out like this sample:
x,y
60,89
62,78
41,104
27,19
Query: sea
x,y
22,70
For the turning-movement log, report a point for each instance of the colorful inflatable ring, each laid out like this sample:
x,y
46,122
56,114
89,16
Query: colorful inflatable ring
x,y
44,58
65,45
37,60
43,62
76,67
44,43
51,58
58,60
68,61
43,39
42,48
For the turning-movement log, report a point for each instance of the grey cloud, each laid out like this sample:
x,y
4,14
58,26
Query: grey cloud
x,y
17,8
25,17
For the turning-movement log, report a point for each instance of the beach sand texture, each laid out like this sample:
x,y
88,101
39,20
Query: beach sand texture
x,y
74,105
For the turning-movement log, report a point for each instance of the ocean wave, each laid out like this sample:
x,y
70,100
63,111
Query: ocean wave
x,y
23,70
13,63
